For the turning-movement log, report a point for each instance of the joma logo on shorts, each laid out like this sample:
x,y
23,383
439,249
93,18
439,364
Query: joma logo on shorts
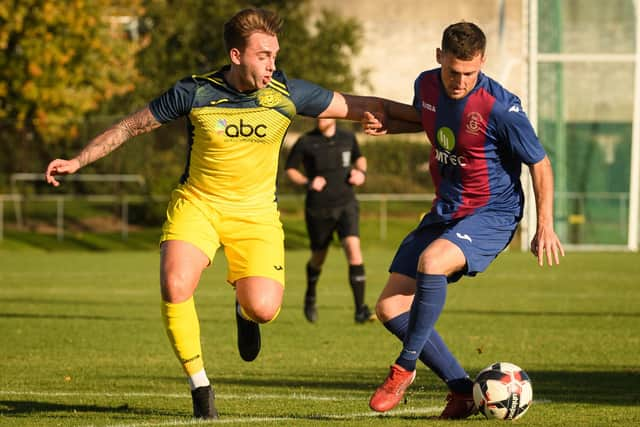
x,y
245,130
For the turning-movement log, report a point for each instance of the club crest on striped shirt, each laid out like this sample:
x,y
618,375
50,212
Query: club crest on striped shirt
x,y
475,123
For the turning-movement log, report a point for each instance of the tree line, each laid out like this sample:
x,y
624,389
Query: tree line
x,y
70,68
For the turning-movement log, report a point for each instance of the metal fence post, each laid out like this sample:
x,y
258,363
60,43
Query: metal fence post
x,y
60,218
383,218
1,219
125,218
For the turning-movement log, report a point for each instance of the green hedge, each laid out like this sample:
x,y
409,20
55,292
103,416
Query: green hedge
x,y
394,166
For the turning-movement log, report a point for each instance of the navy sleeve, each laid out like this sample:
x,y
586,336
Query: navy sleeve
x,y
515,128
309,98
175,102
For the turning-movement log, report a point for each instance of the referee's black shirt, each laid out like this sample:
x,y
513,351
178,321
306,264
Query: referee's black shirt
x,y
331,158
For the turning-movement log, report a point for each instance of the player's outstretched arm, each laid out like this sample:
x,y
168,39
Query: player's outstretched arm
x,y
137,123
391,116
401,118
545,243
375,125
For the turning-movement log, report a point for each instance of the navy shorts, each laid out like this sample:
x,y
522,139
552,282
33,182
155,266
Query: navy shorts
x,y
481,237
322,222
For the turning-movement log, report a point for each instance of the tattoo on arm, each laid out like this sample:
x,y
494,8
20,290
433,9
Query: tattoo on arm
x,y
137,123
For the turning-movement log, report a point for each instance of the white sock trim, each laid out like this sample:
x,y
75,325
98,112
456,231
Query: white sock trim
x,y
199,379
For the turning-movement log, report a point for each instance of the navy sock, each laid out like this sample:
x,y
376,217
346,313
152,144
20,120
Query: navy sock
x,y
435,355
461,385
428,302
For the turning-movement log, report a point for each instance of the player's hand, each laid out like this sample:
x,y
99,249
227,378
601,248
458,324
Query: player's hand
x,y
372,125
545,244
60,167
318,183
356,177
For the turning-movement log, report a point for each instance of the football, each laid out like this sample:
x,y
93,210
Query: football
x,y
502,391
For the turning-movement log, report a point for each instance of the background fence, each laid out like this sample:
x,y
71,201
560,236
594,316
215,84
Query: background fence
x,y
16,209
597,220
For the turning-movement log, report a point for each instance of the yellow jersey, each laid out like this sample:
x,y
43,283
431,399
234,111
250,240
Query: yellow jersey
x,y
235,137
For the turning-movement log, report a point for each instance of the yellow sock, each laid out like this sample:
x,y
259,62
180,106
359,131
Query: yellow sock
x,y
183,330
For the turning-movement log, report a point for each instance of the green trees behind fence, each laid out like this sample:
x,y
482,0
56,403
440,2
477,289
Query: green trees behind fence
x,y
67,69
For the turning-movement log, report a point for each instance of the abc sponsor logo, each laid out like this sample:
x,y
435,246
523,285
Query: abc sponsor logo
x,y
241,129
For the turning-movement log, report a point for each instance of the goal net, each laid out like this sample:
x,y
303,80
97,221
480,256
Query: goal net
x,y
584,101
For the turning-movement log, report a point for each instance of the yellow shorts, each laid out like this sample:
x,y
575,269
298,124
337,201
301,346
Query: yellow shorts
x,y
253,240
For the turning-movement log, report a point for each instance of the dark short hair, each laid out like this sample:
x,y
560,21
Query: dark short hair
x,y
465,40
248,21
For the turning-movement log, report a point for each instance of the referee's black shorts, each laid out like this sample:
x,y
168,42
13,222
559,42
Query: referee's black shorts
x,y
322,222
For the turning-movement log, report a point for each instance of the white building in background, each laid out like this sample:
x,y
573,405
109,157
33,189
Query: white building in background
x,y
401,37
575,64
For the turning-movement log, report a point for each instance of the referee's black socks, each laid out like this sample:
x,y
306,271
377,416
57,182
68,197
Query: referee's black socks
x,y
312,280
357,282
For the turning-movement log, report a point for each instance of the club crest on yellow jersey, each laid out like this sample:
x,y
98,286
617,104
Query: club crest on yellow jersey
x,y
269,98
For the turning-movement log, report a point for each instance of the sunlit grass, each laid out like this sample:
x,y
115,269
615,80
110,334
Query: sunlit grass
x,y
83,343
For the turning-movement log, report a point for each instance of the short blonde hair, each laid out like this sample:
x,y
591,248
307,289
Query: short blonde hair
x,y
248,21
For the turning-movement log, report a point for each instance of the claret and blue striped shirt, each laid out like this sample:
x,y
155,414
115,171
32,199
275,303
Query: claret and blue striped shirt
x,y
479,144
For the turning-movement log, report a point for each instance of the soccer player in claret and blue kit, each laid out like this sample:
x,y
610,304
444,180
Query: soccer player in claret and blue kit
x,y
480,138
237,118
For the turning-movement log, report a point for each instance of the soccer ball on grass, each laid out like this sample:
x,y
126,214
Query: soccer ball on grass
x,y
502,391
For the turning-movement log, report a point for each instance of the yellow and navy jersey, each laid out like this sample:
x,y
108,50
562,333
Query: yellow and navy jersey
x,y
235,137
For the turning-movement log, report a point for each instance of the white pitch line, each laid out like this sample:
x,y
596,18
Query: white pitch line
x,y
370,414
293,396
86,393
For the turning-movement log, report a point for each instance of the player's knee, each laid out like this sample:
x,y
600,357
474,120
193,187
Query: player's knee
x,y
380,312
317,259
437,265
274,315
262,313
430,265
176,287
441,257
383,310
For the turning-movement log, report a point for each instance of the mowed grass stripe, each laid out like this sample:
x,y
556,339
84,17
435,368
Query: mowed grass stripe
x,y
83,343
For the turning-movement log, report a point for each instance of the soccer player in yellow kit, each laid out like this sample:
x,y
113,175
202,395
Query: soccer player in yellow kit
x,y
237,119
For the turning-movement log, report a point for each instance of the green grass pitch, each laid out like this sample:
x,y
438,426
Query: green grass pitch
x,y
82,343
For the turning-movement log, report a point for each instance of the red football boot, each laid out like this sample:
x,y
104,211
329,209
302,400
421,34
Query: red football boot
x,y
389,394
458,406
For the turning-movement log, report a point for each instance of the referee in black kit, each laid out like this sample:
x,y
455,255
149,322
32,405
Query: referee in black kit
x,y
333,165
